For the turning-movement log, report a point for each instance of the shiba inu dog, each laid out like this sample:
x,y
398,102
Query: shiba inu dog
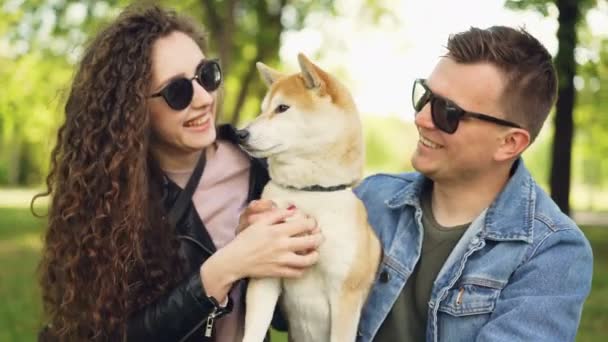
x,y
310,131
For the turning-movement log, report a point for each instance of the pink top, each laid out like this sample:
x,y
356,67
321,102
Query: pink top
x,y
219,199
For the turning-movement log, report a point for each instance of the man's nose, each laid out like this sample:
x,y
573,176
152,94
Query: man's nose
x,y
424,118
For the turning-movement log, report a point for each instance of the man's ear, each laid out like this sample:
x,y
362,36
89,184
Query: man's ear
x,y
310,73
514,143
269,75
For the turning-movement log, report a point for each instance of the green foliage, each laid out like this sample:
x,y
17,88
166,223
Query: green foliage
x,y
37,59
590,128
591,142
538,156
43,40
390,143
29,115
541,6
544,6
242,33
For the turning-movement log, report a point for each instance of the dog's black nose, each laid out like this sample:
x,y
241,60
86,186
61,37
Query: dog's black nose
x,y
243,135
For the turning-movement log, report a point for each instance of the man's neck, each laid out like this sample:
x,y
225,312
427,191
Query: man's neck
x,y
460,202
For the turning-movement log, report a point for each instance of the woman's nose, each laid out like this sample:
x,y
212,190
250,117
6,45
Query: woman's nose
x,y
201,97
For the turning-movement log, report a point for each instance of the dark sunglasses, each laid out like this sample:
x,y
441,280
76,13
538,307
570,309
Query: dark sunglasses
x,y
178,93
446,114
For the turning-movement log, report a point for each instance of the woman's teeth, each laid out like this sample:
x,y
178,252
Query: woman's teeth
x,y
198,121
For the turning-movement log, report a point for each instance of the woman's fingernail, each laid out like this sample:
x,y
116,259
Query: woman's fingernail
x,y
291,207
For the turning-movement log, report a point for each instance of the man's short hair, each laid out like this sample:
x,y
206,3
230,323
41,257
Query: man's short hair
x,y
531,86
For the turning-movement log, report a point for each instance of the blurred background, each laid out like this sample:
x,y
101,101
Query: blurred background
x,y
377,47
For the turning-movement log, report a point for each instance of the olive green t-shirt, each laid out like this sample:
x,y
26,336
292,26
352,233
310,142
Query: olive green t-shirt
x,y
408,317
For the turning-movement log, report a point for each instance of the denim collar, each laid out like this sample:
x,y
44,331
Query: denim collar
x,y
509,217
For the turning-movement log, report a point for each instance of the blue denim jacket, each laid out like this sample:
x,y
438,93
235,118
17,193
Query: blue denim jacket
x,y
521,271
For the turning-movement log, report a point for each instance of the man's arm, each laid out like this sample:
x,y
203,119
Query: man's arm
x,y
544,297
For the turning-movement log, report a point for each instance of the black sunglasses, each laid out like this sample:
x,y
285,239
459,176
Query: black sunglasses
x,y
446,114
178,93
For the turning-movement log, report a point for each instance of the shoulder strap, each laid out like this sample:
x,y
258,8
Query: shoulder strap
x,y
184,197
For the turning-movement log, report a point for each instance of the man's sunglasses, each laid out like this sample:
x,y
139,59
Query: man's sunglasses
x,y
178,93
446,114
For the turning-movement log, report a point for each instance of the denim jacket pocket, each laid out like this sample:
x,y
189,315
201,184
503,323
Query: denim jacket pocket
x,y
471,297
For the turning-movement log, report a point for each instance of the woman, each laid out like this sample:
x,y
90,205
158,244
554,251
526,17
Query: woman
x,y
125,256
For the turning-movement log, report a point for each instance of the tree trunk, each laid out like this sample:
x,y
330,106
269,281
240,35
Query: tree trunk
x,y
266,46
221,26
14,161
221,22
566,69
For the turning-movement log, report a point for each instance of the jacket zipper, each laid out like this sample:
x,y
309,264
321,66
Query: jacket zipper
x,y
209,326
196,242
210,321
192,331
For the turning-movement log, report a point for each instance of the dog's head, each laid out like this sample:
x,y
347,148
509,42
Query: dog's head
x,y
306,113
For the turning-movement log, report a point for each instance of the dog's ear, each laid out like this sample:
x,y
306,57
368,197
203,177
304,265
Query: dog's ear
x,y
269,75
310,72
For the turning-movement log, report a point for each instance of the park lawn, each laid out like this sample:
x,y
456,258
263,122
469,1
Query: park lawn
x,y
20,241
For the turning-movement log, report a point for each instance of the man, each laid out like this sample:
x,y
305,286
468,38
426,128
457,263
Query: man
x,y
473,249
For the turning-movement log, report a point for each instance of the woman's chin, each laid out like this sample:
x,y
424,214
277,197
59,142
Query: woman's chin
x,y
203,139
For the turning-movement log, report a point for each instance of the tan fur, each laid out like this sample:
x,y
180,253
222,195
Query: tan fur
x,y
349,153
293,87
361,275
318,141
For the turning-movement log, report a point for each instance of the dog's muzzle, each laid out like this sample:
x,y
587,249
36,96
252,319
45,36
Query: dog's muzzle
x,y
242,135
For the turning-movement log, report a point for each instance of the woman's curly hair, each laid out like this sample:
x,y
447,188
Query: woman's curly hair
x,y
107,250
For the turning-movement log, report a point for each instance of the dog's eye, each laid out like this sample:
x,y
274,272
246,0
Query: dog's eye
x,y
281,108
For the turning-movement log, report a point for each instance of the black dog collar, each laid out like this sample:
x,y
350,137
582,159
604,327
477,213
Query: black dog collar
x,y
317,188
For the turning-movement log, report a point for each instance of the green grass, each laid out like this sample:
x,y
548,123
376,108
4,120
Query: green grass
x,y
594,323
20,241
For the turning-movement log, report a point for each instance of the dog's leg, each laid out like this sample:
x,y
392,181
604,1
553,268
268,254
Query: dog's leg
x,y
262,296
345,314
348,302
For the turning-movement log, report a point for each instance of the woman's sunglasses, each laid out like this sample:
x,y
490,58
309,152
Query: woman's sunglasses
x,y
446,114
178,93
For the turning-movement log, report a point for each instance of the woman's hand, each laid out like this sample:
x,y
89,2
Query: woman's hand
x,y
281,243
254,212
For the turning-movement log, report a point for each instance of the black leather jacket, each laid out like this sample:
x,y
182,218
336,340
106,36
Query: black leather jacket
x,y
182,313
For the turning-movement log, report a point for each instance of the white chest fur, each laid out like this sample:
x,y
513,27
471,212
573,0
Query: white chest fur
x,y
336,215
308,300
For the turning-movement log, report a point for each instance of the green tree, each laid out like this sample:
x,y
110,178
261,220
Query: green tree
x,y
245,32
39,42
43,39
592,127
570,14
